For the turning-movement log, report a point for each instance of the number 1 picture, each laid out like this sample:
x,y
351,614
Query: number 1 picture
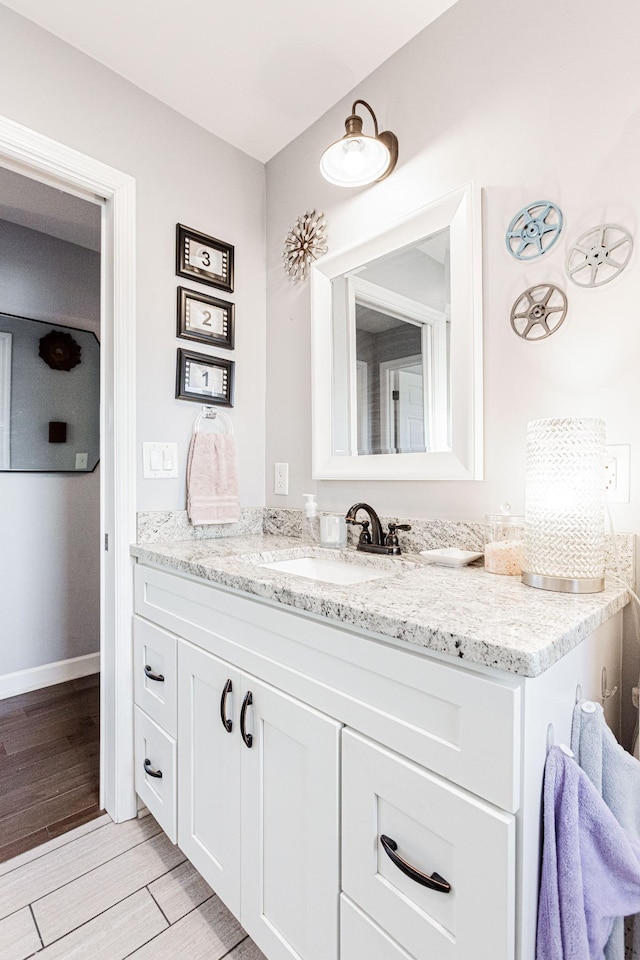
x,y
204,379
205,319
203,258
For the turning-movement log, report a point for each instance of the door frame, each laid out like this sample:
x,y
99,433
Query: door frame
x,y
41,158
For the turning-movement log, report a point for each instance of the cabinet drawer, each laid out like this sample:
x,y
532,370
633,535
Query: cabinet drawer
x,y
360,937
159,793
155,656
437,828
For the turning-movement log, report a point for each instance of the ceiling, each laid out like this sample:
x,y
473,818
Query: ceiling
x,y
54,212
254,72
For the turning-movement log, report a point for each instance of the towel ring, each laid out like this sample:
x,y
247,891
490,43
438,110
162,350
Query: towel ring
x,y
210,413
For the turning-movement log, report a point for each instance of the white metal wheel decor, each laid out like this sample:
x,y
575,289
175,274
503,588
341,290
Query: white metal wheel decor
x,y
539,311
599,255
305,242
534,230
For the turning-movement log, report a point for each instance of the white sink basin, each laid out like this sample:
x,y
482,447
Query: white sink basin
x,y
331,571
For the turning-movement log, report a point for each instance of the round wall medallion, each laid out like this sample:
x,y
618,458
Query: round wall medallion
x,y
599,255
305,242
59,350
534,230
539,312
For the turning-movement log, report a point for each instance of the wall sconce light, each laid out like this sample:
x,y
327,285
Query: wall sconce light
x,y
564,505
358,159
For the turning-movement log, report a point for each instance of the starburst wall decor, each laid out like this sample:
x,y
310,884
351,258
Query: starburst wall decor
x,y
305,242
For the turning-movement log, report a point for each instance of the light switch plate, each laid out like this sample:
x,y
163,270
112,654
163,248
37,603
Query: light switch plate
x,y
160,461
82,461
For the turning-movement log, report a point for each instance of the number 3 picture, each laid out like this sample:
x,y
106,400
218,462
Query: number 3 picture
x,y
203,258
205,319
204,379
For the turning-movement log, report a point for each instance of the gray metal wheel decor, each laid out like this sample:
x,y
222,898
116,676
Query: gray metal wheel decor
x,y
304,243
539,311
599,255
534,230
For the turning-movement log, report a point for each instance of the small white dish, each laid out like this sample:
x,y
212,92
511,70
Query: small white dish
x,y
451,556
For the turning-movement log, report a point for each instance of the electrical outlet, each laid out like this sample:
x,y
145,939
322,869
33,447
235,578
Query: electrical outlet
x,y
617,464
281,478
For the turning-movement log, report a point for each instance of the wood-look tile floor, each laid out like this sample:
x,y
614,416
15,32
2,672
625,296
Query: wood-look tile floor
x,y
49,763
109,891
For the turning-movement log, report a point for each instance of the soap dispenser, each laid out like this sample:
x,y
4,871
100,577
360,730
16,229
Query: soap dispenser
x,y
311,520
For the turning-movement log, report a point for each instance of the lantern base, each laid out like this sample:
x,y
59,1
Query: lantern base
x,y
564,584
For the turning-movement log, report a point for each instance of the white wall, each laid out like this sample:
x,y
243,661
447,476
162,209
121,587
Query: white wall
x,y
530,101
49,523
183,175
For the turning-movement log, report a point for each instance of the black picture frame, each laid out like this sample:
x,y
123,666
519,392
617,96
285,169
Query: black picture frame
x,y
213,265
189,374
193,322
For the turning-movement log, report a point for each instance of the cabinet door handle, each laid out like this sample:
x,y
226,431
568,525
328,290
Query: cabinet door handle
x,y
226,722
148,672
152,773
434,882
247,737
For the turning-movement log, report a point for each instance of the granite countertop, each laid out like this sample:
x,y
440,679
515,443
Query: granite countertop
x,y
463,612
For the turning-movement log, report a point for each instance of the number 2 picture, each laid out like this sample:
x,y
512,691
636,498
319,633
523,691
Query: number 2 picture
x,y
201,257
205,319
204,379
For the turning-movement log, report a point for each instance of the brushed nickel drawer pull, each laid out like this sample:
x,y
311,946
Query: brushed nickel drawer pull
x,y
434,882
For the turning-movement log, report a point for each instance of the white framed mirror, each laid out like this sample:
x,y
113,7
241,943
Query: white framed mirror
x,y
397,350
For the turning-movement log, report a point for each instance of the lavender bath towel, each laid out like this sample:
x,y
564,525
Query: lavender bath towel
x,y
616,776
590,866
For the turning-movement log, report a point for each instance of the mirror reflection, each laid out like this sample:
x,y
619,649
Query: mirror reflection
x,y
391,352
49,397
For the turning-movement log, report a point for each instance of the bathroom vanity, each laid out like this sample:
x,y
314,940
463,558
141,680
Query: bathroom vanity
x,y
357,769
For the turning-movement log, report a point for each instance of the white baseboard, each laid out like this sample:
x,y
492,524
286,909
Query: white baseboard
x,y
13,684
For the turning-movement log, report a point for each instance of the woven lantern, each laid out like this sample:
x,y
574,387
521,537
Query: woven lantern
x,y
564,505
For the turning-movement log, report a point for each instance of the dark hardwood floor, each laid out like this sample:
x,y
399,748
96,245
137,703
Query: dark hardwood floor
x,y
49,763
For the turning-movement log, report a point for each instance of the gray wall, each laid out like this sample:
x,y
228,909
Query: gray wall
x,y
49,523
183,175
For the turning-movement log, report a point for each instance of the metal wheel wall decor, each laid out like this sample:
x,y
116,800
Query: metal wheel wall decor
x,y
599,255
534,230
539,311
305,242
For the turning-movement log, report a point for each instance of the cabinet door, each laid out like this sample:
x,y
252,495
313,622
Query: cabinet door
x,y
290,827
209,770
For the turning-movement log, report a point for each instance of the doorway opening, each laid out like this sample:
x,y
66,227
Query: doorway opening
x,y
45,161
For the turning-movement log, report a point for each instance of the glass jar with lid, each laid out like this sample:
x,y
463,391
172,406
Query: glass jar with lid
x,y
504,542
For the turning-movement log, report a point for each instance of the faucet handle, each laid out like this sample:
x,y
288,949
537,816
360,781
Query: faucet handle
x,y
365,536
391,539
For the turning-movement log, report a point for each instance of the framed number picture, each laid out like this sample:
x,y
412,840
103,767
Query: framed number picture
x,y
205,319
203,258
204,379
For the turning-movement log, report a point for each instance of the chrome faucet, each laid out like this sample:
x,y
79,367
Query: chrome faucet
x,y
374,540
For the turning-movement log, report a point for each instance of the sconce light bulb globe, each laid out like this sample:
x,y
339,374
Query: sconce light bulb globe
x,y
354,161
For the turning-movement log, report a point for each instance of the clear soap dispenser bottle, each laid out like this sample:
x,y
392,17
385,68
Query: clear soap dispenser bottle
x,y
310,520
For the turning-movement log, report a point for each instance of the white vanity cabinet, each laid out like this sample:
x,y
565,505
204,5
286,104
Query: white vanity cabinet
x,y
346,739
259,804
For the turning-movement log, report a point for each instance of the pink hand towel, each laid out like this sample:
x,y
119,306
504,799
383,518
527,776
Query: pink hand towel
x,y
212,479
